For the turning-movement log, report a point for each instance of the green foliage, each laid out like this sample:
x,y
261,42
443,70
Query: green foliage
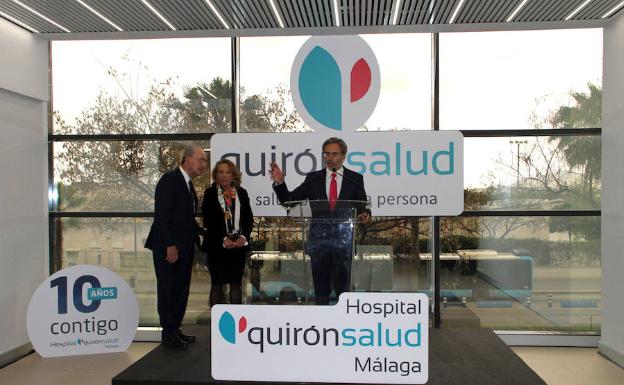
x,y
582,153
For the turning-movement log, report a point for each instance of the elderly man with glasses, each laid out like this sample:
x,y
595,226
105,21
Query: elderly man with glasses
x,y
172,239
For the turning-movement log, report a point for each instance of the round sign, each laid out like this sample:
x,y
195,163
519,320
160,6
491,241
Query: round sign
x,y
82,309
335,82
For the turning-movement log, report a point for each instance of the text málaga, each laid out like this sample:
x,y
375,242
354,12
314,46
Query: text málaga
x,y
379,365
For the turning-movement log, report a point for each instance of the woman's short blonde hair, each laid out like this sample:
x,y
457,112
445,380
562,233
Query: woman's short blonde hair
x,y
236,174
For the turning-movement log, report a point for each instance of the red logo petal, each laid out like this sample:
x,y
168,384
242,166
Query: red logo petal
x,y
360,79
242,324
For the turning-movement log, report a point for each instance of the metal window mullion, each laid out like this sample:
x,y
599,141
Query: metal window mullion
x,y
52,200
530,213
435,271
531,132
121,137
466,214
435,119
235,84
101,214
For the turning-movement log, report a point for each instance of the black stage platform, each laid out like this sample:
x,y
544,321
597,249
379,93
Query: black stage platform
x,y
456,356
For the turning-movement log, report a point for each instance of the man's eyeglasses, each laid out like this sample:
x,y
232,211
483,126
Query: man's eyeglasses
x,y
331,154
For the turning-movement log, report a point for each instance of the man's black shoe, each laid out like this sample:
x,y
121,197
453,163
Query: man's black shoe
x,y
174,343
185,337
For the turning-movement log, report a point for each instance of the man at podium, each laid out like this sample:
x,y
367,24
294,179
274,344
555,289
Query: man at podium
x,y
329,244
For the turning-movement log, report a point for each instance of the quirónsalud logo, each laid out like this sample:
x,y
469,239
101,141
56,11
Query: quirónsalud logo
x,y
335,82
228,329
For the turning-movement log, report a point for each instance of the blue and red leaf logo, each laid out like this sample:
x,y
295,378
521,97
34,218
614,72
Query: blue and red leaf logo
x,y
228,329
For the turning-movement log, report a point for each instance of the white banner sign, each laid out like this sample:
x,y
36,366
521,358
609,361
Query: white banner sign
x,y
82,309
364,338
409,173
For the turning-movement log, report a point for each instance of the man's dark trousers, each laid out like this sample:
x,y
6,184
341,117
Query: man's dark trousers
x,y
173,284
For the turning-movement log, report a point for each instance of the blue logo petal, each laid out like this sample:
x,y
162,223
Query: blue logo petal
x,y
227,327
320,88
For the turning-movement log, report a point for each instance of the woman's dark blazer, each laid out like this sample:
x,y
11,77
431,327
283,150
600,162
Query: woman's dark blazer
x,y
214,221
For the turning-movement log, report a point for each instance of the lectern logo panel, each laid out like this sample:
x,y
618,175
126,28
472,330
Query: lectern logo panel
x,y
364,338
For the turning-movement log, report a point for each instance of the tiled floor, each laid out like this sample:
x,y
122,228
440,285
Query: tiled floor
x,y
571,366
557,366
76,370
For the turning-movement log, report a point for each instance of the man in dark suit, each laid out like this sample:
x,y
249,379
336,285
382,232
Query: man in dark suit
x,y
172,241
330,250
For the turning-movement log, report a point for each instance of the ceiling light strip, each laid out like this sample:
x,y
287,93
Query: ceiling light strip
x,y
396,12
118,28
160,16
578,9
336,13
216,12
274,8
613,10
456,11
515,12
18,22
41,15
432,10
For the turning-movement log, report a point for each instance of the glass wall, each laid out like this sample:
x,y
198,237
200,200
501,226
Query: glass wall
x,y
404,99
521,272
523,256
115,175
517,80
159,86
134,104
265,100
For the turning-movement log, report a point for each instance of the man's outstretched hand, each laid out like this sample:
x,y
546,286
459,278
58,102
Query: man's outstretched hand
x,y
276,173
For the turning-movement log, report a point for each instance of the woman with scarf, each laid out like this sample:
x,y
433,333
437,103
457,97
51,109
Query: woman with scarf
x,y
228,220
